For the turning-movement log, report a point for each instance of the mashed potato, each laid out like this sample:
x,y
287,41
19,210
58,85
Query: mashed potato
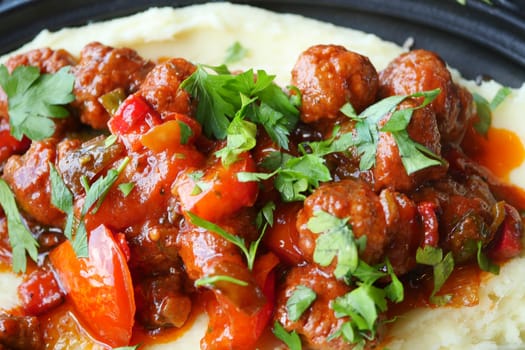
x,y
202,34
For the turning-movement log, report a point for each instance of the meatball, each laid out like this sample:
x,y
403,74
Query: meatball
x,y
318,323
28,177
47,60
352,199
329,76
102,69
161,87
422,70
389,170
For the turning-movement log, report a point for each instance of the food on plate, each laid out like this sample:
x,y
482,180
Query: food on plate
x,y
154,196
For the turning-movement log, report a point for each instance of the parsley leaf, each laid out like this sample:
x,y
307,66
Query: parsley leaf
x,y
442,266
235,53
265,215
34,98
62,198
241,135
211,280
126,188
220,98
413,155
362,305
336,239
20,238
485,108
291,339
484,262
249,252
294,176
300,300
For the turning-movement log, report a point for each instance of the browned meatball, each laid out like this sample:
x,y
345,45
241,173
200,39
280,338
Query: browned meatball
x,y
351,199
102,69
49,61
28,177
422,70
161,87
20,333
318,322
329,76
389,170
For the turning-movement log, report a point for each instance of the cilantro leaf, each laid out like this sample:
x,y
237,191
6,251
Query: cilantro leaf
x,y
20,238
291,339
300,300
211,280
34,98
336,239
235,53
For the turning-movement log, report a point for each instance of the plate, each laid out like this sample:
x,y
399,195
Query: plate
x,y
480,40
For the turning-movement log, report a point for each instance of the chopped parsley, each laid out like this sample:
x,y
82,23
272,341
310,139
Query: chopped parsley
x,y
485,108
20,238
336,239
414,156
249,252
442,267
34,99
484,262
296,177
235,53
300,300
62,198
220,98
291,339
211,280
126,188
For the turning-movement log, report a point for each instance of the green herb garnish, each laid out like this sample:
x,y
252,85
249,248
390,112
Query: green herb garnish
x,y
20,238
220,99
300,300
336,239
235,53
62,198
484,262
211,280
291,339
413,155
442,266
126,188
485,108
34,99
249,252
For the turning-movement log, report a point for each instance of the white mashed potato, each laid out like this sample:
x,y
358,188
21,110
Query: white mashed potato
x,y
202,34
